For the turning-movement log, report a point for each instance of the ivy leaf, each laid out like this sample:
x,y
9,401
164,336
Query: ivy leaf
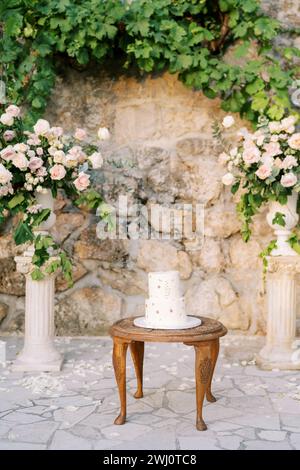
x,y
254,87
13,23
279,219
184,61
260,101
22,234
37,275
242,49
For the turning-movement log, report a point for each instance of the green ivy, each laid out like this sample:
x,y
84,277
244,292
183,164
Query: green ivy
x,y
186,37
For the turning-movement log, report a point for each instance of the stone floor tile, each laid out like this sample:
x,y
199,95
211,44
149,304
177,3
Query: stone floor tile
x,y
69,416
181,402
272,435
295,440
266,445
129,431
165,439
22,418
230,442
197,443
64,440
258,421
39,433
7,445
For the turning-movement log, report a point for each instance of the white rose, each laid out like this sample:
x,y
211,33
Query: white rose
x,y
41,127
7,119
288,180
228,121
103,133
96,160
228,179
5,175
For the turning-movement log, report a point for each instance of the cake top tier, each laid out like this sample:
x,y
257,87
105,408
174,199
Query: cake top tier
x,y
164,284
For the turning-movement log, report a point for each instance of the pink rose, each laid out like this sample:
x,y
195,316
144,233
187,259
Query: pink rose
x,y
30,153
278,163
251,153
288,180
288,124
294,141
8,153
41,171
289,162
13,110
20,161
80,134
82,181
35,163
272,149
263,172
6,119
33,139
77,153
39,151
9,135
57,131
275,127
57,172
41,127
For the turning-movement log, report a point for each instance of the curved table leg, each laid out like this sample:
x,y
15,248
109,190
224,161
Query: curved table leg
x,y
137,353
119,363
203,368
215,346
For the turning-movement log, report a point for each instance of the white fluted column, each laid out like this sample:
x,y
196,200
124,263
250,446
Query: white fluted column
x,y
39,353
279,351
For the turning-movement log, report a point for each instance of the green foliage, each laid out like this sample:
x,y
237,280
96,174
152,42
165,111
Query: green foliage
x,y
186,37
279,219
48,258
265,253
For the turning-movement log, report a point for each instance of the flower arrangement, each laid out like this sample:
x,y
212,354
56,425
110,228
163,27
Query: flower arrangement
x,y
36,162
263,165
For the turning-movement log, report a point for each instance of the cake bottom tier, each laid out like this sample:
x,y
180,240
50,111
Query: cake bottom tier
x,y
162,312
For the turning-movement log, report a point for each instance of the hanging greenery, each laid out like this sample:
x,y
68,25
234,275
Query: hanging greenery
x,y
187,37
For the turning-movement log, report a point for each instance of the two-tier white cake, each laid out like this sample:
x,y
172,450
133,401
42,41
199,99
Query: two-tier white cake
x,y
165,307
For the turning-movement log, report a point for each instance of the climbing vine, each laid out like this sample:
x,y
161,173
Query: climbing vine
x,y
191,38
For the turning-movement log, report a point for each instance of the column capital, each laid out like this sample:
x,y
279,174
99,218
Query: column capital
x,y
23,263
283,264
25,266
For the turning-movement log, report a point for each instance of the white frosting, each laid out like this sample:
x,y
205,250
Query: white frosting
x,y
164,284
165,306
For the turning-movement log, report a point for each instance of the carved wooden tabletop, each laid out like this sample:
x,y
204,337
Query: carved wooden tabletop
x,y
204,339
208,330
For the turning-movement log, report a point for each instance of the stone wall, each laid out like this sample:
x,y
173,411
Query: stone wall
x,y
161,151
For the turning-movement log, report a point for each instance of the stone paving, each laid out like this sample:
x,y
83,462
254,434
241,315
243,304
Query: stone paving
x,y
75,409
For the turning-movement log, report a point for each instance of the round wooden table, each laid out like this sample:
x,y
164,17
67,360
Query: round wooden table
x,y
204,338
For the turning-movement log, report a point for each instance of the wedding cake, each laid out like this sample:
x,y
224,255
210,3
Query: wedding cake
x,y
165,307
